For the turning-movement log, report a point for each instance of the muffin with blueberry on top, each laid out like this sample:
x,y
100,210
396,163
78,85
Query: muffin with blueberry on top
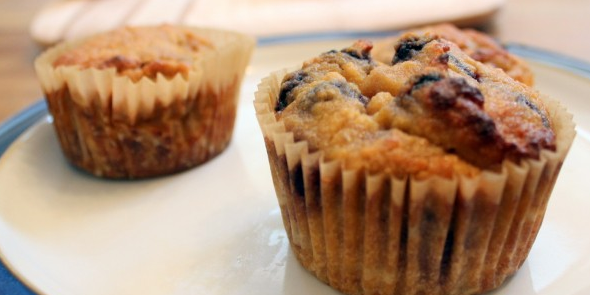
x,y
427,175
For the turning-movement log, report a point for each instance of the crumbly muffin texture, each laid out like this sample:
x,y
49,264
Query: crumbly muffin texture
x,y
477,45
139,52
433,110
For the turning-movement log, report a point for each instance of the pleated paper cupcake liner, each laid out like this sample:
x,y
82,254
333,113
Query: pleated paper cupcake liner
x,y
378,234
114,127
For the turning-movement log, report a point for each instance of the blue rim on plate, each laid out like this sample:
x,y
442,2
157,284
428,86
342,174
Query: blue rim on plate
x,y
12,128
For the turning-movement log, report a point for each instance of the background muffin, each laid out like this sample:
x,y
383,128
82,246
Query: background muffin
x,y
144,101
477,45
427,176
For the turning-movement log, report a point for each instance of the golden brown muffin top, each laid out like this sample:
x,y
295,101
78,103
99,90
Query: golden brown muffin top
x,y
138,52
477,45
435,111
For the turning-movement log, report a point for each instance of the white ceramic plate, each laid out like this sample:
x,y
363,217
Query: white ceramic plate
x,y
216,229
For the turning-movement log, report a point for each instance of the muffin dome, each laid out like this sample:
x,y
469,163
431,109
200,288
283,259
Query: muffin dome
x,y
433,105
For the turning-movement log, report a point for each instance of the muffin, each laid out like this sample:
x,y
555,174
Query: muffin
x,y
140,102
427,176
477,45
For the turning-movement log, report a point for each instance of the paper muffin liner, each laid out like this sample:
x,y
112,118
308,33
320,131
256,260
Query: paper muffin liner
x,y
377,234
114,127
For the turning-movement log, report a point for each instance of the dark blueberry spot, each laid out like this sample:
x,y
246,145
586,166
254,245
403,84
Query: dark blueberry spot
x,y
290,82
443,97
462,66
468,92
523,100
484,127
351,92
477,77
324,91
445,93
360,50
425,79
407,49
444,58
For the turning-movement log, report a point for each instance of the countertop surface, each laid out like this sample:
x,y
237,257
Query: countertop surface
x,y
558,26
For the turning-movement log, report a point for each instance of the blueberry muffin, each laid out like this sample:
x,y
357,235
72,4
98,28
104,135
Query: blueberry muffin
x,y
477,45
140,102
429,175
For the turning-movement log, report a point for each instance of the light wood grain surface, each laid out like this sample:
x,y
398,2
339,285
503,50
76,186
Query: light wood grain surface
x,y
560,26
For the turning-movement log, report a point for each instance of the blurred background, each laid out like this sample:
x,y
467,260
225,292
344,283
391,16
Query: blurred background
x,y
558,26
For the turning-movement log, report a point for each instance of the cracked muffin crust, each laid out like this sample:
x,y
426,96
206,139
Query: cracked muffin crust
x,y
435,111
477,45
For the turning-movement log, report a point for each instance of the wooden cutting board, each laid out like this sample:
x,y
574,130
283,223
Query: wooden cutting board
x,y
67,19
